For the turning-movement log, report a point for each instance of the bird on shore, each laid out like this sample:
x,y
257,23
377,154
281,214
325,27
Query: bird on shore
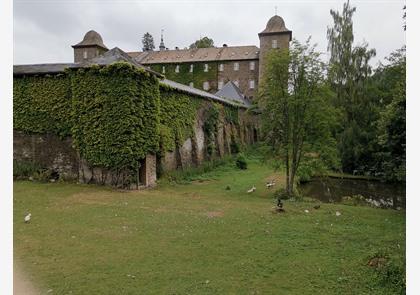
x,y
251,190
27,218
270,184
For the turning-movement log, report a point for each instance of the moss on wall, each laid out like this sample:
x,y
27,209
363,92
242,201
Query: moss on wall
x,y
198,76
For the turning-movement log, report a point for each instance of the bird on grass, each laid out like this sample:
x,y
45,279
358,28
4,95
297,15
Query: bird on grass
x,y
251,190
27,218
270,184
317,206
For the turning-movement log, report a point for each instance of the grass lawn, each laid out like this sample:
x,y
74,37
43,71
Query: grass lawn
x,y
198,238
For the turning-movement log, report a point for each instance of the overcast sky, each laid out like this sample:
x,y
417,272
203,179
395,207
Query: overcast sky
x,y
44,30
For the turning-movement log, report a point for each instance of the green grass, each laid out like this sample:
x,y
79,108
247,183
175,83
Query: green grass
x,y
198,238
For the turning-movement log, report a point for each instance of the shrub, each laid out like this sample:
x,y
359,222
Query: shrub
x,y
24,169
241,162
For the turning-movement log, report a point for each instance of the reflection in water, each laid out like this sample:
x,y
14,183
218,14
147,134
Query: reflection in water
x,y
374,192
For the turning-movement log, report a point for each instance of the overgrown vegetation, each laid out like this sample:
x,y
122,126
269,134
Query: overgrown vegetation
x,y
116,115
184,76
178,115
42,104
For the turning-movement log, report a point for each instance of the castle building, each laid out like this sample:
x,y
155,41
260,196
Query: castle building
x,y
209,69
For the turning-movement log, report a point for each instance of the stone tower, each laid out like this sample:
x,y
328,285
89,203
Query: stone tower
x,y
275,35
91,46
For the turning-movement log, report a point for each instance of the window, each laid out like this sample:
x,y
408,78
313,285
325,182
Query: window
x,y
177,69
273,43
206,86
85,54
191,68
163,69
252,65
206,67
191,84
251,84
221,67
220,85
236,82
236,66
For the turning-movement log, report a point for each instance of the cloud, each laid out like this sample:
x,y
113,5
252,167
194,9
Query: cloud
x,y
44,30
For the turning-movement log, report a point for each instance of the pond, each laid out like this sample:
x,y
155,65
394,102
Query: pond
x,y
379,194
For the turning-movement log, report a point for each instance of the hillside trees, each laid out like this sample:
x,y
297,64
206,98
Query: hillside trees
x,y
204,42
296,113
349,73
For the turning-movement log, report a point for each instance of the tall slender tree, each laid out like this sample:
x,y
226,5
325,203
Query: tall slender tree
x,y
148,43
349,70
294,101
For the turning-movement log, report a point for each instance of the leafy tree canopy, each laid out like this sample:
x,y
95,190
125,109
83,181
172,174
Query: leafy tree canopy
x,y
148,43
204,42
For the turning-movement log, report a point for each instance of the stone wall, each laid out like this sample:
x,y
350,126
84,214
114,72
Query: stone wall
x,y
48,151
193,152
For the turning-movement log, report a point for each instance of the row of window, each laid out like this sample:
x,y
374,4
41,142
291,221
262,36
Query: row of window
x,y
221,67
206,85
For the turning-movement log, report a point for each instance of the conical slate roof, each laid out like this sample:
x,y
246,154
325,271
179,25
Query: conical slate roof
x,y
274,25
91,38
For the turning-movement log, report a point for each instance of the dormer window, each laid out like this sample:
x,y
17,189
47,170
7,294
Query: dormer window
x,y
177,69
221,67
85,54
252,65
206,67
191,68
274,43
236,66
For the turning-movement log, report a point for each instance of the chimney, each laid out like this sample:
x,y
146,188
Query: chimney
x,y
176,48
225,45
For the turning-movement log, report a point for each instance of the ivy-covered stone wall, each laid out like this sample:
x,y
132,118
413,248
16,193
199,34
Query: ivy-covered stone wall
x,y
198,76
116,116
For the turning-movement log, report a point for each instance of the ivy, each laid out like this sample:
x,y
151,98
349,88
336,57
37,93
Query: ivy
x,y
184,76
178,115
115,114
42,104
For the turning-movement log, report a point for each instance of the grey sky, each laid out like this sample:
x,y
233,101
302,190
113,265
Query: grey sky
x,y
44,30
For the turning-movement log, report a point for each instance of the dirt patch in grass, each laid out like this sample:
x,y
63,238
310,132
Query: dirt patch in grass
x,y
212,214
377,262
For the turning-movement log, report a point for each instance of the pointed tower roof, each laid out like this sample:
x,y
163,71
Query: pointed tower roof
x,y
91,38
275,25
161,45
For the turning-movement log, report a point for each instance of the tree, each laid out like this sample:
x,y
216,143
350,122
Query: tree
x,y
148,43
349,73
391,122
296,113
204,42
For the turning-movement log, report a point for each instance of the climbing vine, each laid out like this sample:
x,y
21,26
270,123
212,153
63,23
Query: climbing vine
x,y
115,114
42,104
178,114
198,76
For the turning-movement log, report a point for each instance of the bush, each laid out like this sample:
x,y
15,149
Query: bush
x,y
24,169
241,162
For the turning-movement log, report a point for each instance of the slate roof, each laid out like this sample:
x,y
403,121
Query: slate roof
x,y
109,57
231,92
91,38
198,92
197,55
